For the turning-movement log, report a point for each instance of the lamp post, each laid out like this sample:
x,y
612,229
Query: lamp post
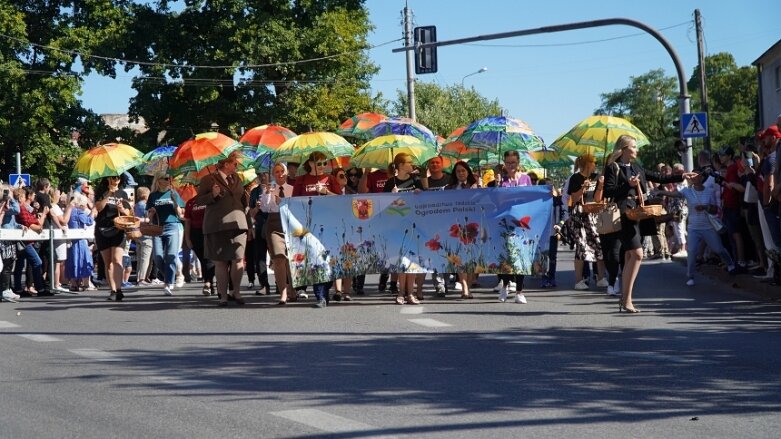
x,y
484,69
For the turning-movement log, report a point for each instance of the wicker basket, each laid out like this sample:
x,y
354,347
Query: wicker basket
x,y
126,223
151,228
593,207
644,211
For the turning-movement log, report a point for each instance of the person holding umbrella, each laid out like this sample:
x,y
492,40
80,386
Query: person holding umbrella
x,y
225,225
111,202
624,183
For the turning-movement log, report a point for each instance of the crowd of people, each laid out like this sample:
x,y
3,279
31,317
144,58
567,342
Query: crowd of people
x,y
725,211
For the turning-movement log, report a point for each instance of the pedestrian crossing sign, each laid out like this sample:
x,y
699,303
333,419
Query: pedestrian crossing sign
x,y
694,125
19,180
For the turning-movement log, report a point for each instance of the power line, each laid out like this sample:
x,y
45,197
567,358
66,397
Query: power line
x,y
189,66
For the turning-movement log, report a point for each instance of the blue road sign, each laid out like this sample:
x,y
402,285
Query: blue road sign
x,y
694,125
19,180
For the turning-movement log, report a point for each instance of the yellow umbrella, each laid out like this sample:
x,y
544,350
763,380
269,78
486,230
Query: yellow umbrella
x,y
597,135
107,160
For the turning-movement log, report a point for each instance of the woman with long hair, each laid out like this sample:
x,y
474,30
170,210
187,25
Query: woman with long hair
x,y
268,202
111,202
624,183
165,207
404,179
582,186
462,178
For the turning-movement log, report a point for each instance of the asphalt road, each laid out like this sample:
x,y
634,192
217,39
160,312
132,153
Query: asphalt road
x,y
697,362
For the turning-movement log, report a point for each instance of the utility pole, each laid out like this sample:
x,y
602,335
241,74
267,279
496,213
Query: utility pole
x,y
701,60
410,61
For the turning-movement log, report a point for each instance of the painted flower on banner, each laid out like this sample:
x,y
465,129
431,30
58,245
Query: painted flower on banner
x,y
434,244
467,233
524,222
299,258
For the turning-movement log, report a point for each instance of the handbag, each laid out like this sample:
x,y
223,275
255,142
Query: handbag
x,y
716,223
609,219
108,232
750,195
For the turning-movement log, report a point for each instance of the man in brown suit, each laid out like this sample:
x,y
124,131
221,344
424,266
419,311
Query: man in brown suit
x,y
225,225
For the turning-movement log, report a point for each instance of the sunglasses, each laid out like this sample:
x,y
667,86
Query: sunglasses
x,y
321,163
164,179
352,175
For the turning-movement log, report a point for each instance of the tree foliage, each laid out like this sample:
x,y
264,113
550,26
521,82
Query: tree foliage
x,y
445,108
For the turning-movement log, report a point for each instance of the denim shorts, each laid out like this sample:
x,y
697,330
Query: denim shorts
x,y
126,261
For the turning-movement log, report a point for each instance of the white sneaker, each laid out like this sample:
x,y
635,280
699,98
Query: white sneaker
x,y
610,290
9,296
690,282
498,287
179,284
168,290
602,283
458,287
503,294
511,286
302,295
157,282
582,285
520,298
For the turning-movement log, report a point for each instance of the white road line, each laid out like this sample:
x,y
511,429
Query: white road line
x,y
4,324
43,338
325,421
411,310
95,354
655,356
430,323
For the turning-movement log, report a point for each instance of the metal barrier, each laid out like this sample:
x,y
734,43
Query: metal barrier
x,y
51,234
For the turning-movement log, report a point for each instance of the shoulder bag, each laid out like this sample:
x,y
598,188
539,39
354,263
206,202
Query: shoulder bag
x,y
609,219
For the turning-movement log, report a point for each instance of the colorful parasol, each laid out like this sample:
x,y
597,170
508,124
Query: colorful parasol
x,y
186,191
106,160
404,127
379,152
156,161
266,138
204,150
597,135
500,134
359,125
299,148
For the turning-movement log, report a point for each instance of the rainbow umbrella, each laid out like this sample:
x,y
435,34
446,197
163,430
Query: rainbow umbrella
x,y
156,161
106,160
266,138
359,125
299,148
597,135
404,127
186,191
500,134
379,152
204,150
246,161
454,148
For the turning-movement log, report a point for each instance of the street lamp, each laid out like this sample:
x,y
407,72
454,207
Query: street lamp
x,y
484,69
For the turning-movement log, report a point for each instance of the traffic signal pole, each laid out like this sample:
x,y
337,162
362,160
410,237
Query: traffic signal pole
x,y
683,97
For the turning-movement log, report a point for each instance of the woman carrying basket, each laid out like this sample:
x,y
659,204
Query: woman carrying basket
x,y
624,181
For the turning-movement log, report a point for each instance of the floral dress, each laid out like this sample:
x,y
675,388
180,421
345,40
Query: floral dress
x,y
584,225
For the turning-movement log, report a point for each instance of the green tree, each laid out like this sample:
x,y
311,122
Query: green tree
x,y
732,97
650,103
445,108
39,105
257,53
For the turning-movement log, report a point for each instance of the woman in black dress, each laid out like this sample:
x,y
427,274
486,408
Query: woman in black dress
x,y
623,182
111,202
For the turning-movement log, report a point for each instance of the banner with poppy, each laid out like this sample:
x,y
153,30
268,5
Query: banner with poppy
x,y
493,230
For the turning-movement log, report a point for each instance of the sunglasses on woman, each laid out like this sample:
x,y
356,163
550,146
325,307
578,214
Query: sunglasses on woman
x,y
321,163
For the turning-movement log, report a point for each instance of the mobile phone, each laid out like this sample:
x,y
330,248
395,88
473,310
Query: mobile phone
x,y
5,194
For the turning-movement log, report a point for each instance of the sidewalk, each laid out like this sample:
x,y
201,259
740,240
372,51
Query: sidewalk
x,y
743,282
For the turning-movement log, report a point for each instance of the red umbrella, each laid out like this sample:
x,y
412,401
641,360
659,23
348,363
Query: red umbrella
x,y
204,150
360,124
266,138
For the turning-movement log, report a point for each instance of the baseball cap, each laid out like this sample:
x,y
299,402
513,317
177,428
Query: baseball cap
x,y
727,150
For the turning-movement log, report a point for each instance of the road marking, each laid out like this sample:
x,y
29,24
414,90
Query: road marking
x,y
4,325
181,382
325,421
95,354
654,356
429,323
411,310
43,338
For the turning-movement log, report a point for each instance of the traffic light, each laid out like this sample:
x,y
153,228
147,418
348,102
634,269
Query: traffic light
x,y
425,57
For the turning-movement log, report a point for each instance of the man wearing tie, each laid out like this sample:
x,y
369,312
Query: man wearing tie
x,y
225,225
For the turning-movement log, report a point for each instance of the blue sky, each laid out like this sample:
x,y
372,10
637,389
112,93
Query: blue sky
x,y
552,80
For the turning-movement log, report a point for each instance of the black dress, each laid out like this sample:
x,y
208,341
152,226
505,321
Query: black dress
x,y
106,235
617,187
